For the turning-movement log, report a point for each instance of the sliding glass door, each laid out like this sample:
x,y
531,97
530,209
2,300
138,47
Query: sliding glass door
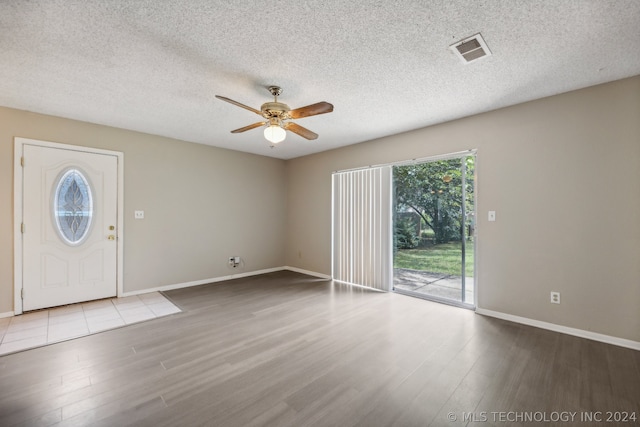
x,y
433,227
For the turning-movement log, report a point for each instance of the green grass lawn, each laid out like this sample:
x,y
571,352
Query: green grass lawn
x,y
444,258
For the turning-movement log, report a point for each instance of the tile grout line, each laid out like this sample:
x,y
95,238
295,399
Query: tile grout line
x,y
46,338
115,306
86,321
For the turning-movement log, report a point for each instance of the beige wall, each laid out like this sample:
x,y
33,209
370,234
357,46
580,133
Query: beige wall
x,y
562,174
202,204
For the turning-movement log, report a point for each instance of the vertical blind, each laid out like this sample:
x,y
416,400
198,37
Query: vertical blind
x,y
362,239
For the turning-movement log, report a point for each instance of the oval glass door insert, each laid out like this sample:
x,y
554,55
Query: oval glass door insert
x,y
73,207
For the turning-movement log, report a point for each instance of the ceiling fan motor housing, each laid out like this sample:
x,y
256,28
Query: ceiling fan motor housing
x,y
275,109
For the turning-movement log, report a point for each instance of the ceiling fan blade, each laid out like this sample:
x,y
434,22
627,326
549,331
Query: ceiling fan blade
x,y
253,126
231,101
299,130
311,110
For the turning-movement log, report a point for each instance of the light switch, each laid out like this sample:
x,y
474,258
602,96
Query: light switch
x,y
492,216
139,214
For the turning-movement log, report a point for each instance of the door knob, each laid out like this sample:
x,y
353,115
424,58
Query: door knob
x,y
111,237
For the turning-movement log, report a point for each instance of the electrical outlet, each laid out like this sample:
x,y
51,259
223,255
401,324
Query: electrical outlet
x,y
555,297
138,214
232,260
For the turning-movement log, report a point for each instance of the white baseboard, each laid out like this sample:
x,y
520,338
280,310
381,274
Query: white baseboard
x,y
307,272
7,314
622,342
201,282
222,279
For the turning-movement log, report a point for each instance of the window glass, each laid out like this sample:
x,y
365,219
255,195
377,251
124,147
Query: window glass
x,y
73,206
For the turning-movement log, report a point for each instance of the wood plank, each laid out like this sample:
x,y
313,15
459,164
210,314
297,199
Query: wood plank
x,y
287,349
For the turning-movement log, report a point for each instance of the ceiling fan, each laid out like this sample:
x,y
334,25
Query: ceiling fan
x,y
277,116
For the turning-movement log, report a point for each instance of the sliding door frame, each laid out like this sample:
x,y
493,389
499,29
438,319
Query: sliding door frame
x,y
458,155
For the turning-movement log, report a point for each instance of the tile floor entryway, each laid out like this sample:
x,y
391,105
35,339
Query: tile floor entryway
x,y
72,321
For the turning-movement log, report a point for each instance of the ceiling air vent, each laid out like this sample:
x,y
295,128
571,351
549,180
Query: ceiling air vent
x,y
471,49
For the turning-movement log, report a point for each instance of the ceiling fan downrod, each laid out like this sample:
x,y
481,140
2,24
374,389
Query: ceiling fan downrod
x,y
275,91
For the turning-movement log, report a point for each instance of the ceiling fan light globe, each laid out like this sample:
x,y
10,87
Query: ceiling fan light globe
x,y
274,134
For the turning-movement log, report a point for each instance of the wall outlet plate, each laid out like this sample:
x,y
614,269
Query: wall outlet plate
x,y
138,214
555,297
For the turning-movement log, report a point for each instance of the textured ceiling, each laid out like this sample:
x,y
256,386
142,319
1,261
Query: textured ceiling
x,y
155,65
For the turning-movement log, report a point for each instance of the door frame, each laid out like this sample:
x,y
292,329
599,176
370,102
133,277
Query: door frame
x,y
18,188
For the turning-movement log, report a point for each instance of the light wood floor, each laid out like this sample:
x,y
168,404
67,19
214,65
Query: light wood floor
x,y
284,349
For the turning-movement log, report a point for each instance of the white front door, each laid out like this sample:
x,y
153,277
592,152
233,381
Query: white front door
x,y
70,212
